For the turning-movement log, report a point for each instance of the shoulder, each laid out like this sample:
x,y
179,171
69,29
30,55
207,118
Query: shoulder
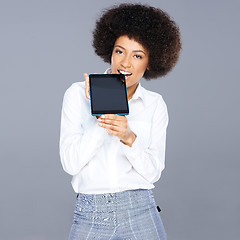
x,y
153,98
155,101
76,87
76,90
75,95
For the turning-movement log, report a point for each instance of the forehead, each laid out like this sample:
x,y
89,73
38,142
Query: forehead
x,y
129,44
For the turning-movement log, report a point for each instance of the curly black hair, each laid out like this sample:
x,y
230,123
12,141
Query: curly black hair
x,y
151,27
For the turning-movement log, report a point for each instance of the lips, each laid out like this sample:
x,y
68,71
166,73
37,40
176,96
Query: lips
x,y
125,73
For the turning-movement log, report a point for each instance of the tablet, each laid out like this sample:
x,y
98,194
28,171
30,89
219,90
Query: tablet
x,y
108,94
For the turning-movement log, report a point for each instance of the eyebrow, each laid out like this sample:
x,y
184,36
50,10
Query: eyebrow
x,y
133,50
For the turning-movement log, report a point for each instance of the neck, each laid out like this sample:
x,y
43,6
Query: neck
x,y
131,90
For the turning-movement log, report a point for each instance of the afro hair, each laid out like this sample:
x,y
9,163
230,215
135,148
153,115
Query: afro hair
x,y
149,26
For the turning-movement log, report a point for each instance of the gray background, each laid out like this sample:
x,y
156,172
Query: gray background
x,y
45,46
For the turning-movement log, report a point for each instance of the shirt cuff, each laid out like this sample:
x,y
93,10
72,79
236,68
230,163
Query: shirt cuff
x,y
134,151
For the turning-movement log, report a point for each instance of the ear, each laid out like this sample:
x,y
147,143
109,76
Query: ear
x,y
148,68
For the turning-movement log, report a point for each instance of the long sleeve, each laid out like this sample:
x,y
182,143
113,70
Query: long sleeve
x,y
77,145
149,162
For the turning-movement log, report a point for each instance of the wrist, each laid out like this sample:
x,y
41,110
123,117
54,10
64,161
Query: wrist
x,y
130,140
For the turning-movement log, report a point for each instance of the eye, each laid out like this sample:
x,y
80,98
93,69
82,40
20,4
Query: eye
x,y
138,56
118,51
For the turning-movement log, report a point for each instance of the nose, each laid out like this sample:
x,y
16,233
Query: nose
x,y
126,62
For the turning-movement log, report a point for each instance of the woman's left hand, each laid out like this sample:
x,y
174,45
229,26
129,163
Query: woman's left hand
x,y
117,125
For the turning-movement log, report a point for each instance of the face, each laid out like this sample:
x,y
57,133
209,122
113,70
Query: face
x,y
131,59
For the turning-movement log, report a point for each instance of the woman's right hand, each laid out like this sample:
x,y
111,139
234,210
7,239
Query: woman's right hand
x,y
87,92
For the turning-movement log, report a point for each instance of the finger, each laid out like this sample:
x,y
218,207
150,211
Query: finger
x,y
117,119
109,116
87,92
112,128
86,79
109,122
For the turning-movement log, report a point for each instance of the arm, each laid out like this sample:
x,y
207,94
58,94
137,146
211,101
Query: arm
x,y
77,146
150,162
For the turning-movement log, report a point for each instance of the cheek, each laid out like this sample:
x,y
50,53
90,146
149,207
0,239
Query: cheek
x,y
142,68
113,62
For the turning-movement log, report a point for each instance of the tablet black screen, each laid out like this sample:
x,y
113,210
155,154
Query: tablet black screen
x,y
108,94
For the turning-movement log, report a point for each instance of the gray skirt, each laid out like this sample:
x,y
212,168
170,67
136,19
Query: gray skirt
x,y
127,215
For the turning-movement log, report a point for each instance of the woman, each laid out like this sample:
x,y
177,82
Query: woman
x,y
115,159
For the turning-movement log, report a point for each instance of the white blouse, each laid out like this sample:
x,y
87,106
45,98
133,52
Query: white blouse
x,y
98,161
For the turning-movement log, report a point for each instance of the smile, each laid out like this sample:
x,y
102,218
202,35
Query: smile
x,y
127,74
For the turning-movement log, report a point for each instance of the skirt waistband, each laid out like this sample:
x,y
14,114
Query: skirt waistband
x,y
113,201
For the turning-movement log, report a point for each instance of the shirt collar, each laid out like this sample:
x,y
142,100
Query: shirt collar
x,y
139,90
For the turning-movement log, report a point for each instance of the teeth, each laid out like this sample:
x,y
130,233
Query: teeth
x,y
123,72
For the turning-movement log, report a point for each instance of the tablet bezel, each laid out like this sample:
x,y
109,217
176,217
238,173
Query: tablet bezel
x,y
99,113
